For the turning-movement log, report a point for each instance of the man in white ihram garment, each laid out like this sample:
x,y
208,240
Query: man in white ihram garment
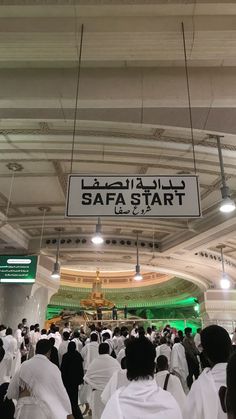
x,y
38,388
163,349
76,339
197,340
169,382
89,352
142,397
11,352
117,380
178,363
19,338
63,346
97,376
203,400
107,330
5,364
56,335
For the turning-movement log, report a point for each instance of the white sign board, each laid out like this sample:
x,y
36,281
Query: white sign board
x,y
133,196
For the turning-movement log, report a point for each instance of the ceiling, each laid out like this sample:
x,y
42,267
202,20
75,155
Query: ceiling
x,y
173,293
132,119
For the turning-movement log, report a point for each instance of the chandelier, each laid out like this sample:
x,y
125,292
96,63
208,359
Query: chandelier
x,y
96,298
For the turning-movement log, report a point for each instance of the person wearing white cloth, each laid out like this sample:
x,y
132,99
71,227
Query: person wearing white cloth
x,y
89,352
67,328
121,340
10,343
76,339
117,380
178,363
2,330
37,386
5,364
97,376
107,330
116,335
227,393
43,334
142,397
19,337
163,349
54,333
12,353
63,346
169,382
121,353
197,340
203,400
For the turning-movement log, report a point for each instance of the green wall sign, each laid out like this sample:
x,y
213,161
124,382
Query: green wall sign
x,y
18,269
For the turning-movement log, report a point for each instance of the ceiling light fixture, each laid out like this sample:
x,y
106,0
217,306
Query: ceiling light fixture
x,y
97,238
138,276
224,282
227,204
56,267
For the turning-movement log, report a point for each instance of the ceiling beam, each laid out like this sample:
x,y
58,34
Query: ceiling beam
x,y
61,176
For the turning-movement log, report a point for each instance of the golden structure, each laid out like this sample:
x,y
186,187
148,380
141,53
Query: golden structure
x,y
96,297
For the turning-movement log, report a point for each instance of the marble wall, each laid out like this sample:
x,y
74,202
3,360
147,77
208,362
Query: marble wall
x,y
18,301
219,307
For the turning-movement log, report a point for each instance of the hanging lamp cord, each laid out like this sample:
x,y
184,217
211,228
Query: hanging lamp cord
x,y
42,229
76,97
189,98
9,196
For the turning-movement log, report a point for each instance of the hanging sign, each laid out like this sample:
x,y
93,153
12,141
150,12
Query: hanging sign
x,y
132,196
18,269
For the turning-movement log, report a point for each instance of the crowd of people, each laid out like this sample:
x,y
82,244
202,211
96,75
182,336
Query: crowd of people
x,y
120,373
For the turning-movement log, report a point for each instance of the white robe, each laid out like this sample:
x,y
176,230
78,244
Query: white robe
x,y
174,387
43,337
163,349
115,343
62,350
120,343
121,355
117,380
78,343
29,407
6,368
89,353
178,364
43,380
203,400
107,331
197,341
97,376
57,337
10,345
142,399
12,349
2,333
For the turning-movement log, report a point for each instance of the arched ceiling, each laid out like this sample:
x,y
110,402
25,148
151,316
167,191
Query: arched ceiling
x,y
132,119
175,292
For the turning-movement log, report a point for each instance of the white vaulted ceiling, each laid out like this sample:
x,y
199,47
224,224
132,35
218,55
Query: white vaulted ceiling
x,y
132,119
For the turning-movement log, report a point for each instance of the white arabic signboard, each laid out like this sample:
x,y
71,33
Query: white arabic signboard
x,y
133,196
